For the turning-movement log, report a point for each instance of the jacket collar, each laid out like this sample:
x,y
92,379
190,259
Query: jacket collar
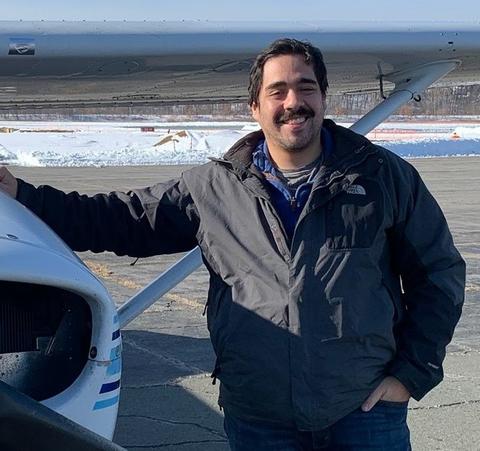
x,y
349,149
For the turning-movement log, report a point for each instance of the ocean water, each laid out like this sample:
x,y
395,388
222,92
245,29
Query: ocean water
x,y
121,144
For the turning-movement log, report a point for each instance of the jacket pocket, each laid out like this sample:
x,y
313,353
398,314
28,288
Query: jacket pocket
x,y
218,311
218,307
393,404
399,309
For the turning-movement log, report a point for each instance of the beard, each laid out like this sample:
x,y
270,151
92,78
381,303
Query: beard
x,y
296,143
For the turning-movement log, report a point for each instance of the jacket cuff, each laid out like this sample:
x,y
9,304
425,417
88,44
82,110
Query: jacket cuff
x,y
25,192
417,381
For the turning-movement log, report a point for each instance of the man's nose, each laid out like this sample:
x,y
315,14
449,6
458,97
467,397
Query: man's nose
x,y
292,100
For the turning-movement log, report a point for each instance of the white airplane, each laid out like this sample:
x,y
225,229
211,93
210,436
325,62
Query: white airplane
x,y
46,290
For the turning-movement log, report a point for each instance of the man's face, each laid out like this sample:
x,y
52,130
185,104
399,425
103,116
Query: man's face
x,y
290,107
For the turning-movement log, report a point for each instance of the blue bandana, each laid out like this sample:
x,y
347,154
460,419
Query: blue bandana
x,y
288,205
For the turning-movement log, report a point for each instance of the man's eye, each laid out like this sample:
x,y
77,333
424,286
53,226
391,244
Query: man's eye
x,y
308,89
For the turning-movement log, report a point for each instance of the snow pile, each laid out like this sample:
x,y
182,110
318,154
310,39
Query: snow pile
x,y
467,132
6,156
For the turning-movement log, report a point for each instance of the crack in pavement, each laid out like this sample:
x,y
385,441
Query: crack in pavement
x,y
159,385
201,326
156,328
460,377
176,423
179,364
452,404
465,351
176,383
164,445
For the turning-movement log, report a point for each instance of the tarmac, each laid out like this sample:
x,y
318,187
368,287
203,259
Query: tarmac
x,y
168,401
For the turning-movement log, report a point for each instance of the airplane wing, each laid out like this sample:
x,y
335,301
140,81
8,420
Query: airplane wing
x,y
48,64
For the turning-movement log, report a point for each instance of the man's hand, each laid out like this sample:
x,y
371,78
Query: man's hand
x,y
390,389
8,183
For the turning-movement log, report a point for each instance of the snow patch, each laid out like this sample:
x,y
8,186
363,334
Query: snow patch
x,y
122,144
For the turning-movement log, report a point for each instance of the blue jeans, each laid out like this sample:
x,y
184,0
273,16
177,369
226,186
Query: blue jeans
x,y
384,428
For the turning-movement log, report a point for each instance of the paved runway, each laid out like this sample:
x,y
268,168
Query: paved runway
x,y
168,401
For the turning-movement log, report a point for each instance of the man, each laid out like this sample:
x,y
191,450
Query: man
x,y
334,282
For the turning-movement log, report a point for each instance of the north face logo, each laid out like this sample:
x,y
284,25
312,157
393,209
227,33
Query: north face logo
x,y
356,189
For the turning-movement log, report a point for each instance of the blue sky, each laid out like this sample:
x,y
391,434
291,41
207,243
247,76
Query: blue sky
x,y
407,10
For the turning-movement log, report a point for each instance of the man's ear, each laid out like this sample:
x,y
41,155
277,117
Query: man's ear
x,y
254,110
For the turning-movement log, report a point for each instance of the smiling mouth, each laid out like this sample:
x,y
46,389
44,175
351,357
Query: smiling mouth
x,y
295,120
297,117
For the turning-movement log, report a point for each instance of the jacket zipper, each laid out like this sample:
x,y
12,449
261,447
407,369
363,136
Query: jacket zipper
x,y
277,229
293,203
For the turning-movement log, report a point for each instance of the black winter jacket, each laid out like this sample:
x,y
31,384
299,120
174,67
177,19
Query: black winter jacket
x,y
370,284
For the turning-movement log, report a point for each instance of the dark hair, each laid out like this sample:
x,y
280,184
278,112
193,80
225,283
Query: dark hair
x,y
286,46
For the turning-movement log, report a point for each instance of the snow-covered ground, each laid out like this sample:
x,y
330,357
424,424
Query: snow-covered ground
x,y
123,143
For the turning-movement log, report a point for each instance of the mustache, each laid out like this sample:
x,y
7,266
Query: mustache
x,y
302,111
